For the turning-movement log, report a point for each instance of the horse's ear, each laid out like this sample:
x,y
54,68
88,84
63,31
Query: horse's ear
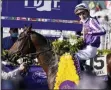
x,y
25,27
30,28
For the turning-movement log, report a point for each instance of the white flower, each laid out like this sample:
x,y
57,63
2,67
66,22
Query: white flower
x,y
72,41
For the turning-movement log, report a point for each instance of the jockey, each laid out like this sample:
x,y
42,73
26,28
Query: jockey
x,y
92,31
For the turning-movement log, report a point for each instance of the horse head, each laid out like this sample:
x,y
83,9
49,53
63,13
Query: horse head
x,y
23,45
33,43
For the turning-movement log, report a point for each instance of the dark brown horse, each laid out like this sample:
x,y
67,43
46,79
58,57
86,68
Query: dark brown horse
x,y
109,62
109,70
32,43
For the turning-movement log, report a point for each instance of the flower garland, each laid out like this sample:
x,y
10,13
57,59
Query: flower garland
x,y
71,44
66,71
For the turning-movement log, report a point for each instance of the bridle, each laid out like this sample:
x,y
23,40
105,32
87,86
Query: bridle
x,y
19,53
27,37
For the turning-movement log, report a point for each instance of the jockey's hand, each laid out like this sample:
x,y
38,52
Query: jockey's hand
x,y
22,67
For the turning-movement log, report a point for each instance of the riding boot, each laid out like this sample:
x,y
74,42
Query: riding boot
x,y
88,69
82,64
77,64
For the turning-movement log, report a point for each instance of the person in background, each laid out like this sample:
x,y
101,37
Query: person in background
x,y
92,30
11,79
10,75
8,42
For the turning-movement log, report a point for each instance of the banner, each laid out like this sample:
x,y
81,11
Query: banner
x,y
100,65
50,14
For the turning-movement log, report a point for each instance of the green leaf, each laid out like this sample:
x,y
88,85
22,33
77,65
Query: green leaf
x,y
60,47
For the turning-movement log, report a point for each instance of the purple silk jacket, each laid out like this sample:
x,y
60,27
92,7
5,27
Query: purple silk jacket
x,y
95,30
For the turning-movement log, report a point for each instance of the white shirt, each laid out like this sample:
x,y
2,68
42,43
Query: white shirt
x,y
9,75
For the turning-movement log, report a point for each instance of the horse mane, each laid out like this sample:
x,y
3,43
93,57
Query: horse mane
x,y
40,37
48,54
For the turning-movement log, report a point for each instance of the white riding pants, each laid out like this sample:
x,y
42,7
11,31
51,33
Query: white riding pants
x,y
87,53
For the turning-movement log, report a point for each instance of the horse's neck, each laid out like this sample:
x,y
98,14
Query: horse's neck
x,y
10,52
